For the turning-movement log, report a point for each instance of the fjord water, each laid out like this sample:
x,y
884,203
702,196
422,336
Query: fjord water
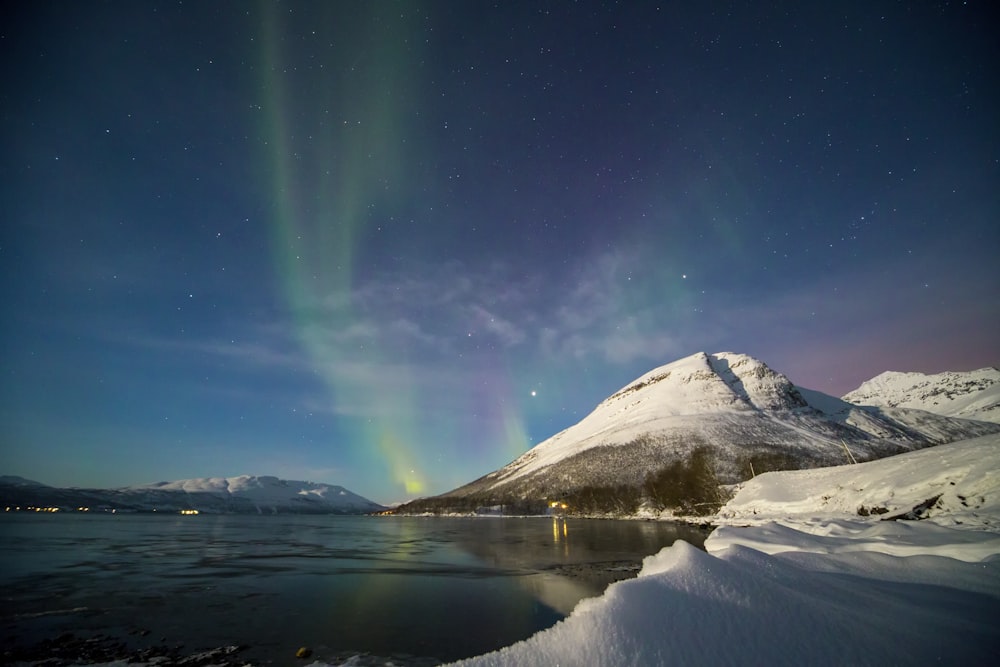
x,y
441,588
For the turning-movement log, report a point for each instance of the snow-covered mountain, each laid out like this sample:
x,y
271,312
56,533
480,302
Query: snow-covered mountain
x,y
263,494
969,395
732,406
243,494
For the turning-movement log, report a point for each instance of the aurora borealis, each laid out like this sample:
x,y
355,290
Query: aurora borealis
x,y
392,245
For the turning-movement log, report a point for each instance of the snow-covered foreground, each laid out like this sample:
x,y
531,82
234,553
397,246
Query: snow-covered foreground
x,y
822,586
737,605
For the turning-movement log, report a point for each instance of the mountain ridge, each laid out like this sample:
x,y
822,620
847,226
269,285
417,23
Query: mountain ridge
x,y
14,480
964,394
244,494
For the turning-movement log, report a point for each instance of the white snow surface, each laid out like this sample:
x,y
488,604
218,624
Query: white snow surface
x,y
814,583
969,395
737,605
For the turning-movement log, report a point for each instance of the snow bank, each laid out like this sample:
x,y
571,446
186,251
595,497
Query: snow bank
x,y
895,538
738,605
959,483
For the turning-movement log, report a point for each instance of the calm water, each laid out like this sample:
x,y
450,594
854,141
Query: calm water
x,y
438,588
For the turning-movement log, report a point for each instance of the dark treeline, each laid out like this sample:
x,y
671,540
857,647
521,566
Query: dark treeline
x,y
688,486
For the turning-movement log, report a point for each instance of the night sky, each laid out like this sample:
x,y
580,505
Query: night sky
x,y
393,245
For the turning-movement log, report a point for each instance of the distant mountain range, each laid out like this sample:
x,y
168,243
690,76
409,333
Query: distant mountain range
x,y
246,494
673,436
972,395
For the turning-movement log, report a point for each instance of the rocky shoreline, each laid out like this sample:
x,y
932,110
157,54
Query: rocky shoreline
x,y
71,649
76,649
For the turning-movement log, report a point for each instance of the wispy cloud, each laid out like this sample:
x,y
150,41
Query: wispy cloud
x,y
630,342
504,330
259,348
611,314
425,334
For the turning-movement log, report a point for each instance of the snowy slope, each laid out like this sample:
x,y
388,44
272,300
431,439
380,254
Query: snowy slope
x,y
804,605
731,403
970,395
959,482
743,607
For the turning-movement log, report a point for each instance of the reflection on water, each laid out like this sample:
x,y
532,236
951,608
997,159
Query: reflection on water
x,y
559,532
579,558
440,587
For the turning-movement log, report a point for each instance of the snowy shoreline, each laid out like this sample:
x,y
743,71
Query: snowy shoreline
x,y
797,575
808,604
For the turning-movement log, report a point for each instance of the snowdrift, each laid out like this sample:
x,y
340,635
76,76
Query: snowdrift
x,y
806,605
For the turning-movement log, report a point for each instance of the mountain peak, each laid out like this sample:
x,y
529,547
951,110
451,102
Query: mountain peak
x,y
706,382
754,382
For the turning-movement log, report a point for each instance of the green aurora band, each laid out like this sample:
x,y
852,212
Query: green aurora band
x,y
334,150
